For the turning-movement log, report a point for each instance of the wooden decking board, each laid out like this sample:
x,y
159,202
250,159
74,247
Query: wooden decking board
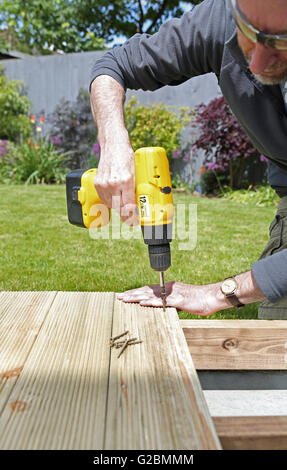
x,y
155,400
62,367
64,380
237,344
21,317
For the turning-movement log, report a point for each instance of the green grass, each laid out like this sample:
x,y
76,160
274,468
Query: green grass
x,y
40,250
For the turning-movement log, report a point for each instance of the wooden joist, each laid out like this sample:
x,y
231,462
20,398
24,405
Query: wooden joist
x,y
69,390
237,344
252,432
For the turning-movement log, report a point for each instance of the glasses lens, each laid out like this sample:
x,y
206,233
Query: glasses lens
x,y
280,44
245,29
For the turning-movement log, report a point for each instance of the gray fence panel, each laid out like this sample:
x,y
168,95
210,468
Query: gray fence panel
x,y
49,79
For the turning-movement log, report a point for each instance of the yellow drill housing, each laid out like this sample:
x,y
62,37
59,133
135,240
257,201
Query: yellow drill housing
x,y
153,186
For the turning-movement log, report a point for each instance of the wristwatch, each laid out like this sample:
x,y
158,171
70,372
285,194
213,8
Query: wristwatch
x,y
228,288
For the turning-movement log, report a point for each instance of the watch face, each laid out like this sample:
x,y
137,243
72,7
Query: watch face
x,y
228,286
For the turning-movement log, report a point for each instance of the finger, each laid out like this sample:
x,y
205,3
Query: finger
x,y
104,193
135,300
117,201
135,297
128,192
129,214
138,290
154,302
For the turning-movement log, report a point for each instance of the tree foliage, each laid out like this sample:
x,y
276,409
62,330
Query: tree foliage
x,y
44,26
82,25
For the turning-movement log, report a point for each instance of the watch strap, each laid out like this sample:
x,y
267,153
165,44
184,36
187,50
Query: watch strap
x,y
232,298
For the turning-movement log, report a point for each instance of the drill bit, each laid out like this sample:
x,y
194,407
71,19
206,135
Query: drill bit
x,y
163,293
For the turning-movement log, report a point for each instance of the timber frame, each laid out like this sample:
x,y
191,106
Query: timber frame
x,y
242,345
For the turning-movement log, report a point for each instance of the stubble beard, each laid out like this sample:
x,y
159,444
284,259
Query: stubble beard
x,y
269,80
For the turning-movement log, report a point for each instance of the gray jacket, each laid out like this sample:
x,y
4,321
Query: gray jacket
x,y
201,41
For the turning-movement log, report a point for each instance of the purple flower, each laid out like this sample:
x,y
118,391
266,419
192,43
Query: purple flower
x,y
176,154
263,159
212,166
55,140
3,147
95,148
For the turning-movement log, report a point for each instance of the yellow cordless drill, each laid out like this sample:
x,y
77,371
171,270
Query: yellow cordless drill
x,y
154,201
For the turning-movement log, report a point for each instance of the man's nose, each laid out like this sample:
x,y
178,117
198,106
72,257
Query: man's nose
x,y
262,57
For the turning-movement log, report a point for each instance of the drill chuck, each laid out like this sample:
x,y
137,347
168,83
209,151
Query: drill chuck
x,y
159,257
158,238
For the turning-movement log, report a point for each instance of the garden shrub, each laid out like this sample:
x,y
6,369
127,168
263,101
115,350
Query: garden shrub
x,y
262,196
73,130
225,142
32,161
14,110
156,125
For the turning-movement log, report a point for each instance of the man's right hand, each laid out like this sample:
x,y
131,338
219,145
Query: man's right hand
x,y
115,180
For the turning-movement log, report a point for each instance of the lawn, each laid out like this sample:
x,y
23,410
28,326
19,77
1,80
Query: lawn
x,y
40,250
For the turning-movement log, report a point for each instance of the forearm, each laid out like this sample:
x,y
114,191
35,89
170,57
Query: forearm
x,y
247,292
107,100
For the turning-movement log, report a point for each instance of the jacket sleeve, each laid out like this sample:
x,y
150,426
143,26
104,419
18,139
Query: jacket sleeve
x,y
182,48
270,275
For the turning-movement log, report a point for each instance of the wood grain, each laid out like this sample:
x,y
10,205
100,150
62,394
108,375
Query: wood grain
x,y
59,400
21,317
155,400
252,432
237,344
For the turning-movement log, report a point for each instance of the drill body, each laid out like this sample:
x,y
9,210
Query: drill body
x,y
153,197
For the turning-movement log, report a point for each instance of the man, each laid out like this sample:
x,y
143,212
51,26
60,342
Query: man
x,y
244,43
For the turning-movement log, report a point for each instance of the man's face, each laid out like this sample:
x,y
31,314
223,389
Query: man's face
x,y
268,65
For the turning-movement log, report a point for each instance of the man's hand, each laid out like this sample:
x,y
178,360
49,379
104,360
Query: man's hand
x,y
115,180
199,300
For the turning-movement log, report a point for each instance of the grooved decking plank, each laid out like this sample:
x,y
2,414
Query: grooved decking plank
x,y
21,317
59,400
237,344
155,400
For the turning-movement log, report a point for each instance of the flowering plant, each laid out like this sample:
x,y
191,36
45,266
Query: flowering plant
x,y
37,127
32,161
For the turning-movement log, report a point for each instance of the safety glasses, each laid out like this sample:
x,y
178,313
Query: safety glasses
x,y
277,41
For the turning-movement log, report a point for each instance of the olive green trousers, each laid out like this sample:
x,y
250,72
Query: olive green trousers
x,y
277,242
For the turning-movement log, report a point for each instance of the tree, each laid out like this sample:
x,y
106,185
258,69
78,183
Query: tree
x,y
82,25
44,26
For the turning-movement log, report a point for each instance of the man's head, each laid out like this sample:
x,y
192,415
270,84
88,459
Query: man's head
x,y
264,54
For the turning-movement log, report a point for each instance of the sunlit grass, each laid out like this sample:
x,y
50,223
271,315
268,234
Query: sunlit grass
x,y
40,250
